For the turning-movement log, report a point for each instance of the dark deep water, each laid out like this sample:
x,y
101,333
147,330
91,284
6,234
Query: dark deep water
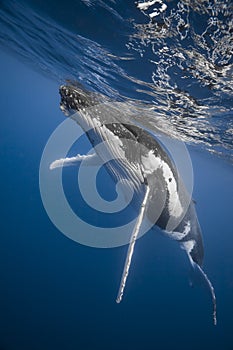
x,y
55,293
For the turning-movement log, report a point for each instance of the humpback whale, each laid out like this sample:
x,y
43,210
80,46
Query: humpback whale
x,y
142,160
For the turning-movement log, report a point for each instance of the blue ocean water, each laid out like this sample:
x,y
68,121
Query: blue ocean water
x,y
58,294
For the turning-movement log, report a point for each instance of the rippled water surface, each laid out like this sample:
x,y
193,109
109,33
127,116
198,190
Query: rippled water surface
x,y
177,63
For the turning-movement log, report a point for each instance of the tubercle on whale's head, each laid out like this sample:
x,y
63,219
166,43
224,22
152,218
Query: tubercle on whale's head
x,y
74,99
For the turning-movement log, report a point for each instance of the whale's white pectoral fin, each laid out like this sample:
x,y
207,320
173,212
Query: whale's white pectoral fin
x,y
133,239
89,160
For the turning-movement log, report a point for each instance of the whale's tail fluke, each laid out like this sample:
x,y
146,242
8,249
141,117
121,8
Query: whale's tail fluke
x,y
192,243
211,288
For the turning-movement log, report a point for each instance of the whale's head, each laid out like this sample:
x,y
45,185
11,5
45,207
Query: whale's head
x,y
75,98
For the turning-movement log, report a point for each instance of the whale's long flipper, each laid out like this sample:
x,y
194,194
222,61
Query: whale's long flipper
x,y
90,160
132,244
